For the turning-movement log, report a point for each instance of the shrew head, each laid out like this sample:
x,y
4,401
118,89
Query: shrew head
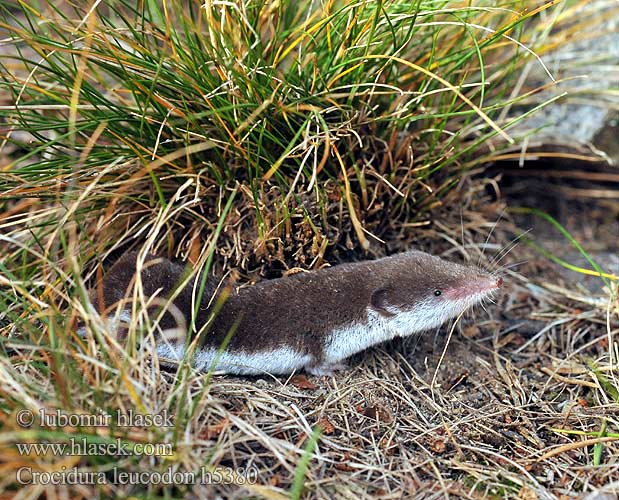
x,y
429,290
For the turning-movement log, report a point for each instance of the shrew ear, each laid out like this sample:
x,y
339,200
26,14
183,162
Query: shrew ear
x,y
380,302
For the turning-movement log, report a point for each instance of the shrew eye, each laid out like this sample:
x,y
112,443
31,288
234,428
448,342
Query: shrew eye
x,y
437,292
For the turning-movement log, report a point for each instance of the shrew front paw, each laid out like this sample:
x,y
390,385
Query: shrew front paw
x,y
325,369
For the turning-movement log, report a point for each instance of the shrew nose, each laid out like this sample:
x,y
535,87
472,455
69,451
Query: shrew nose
x,y
499,282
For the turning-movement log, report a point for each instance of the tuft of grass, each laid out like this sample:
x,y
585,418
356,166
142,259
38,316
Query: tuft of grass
x,y
114,110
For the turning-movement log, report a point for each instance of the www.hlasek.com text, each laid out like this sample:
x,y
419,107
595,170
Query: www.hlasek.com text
x,y
85,446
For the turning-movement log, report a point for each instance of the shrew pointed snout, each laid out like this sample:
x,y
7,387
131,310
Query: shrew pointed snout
x,y
487,284
480,285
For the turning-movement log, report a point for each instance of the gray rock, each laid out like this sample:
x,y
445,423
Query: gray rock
x,y
587,68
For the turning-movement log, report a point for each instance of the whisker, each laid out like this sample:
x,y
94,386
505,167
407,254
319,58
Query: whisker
x,y
510,266
483,249
507,249
462,227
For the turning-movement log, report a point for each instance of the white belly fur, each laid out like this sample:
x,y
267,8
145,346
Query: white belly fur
x,y
350,339
277,361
